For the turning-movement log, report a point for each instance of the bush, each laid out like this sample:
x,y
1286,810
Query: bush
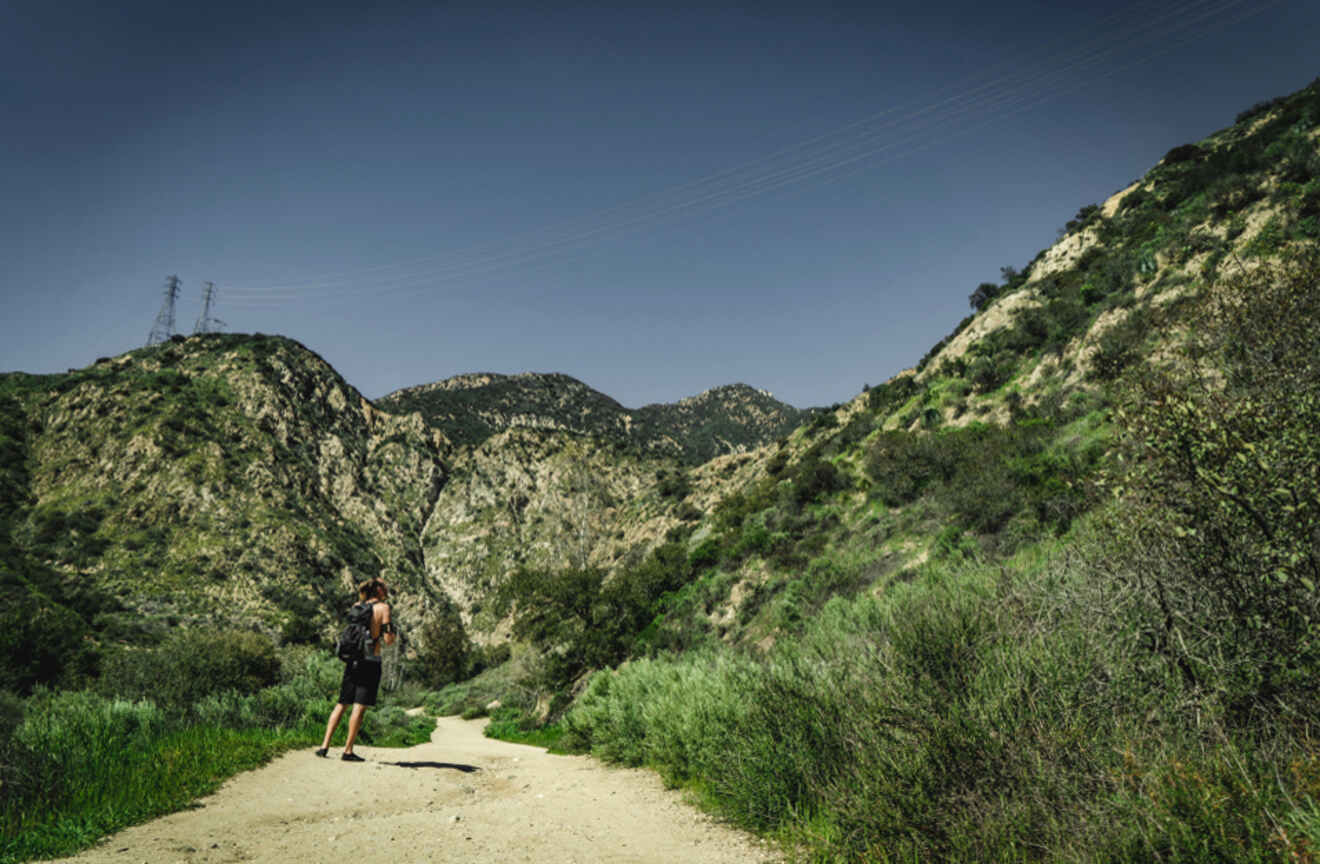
x,y
44,641
673,484
444,653
892,394
815,478
1223,522
578,621
1182,153
1120,346
984,293
949,720
191,665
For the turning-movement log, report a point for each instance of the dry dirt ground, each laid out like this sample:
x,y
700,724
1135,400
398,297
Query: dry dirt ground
x,y
460,797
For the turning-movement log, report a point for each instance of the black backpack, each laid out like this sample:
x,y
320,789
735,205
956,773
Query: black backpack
x,y
355,638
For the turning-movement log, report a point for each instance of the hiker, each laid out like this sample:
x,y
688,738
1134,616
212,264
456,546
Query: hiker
x,y
362,676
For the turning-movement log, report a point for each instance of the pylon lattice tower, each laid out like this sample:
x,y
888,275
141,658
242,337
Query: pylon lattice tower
x,y
164,327
206,322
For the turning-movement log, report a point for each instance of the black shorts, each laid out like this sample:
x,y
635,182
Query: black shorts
x,y
361,682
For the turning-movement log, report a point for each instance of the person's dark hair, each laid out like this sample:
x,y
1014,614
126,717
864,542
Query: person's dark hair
x,y
371,589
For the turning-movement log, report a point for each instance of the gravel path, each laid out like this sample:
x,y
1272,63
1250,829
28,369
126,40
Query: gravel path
x,y
460,797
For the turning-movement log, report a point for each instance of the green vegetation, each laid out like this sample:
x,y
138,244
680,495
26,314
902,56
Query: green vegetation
x,y
963,716
1140,688
76,765
1224,515
517,726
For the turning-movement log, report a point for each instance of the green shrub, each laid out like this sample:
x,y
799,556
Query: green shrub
x,y
191,665
673,484
445,652
705,554
892,394
815,478
937,723
1120,346
1221,532
984,293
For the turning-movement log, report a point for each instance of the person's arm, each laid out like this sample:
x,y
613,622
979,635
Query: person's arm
x,y
386,626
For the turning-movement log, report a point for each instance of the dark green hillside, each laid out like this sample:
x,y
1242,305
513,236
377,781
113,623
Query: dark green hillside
x,y
469,409
729,419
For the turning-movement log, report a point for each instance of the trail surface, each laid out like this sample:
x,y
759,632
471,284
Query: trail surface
x,y
460,797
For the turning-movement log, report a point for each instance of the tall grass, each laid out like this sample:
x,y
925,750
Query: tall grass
x,y
77,765
93,765
977,714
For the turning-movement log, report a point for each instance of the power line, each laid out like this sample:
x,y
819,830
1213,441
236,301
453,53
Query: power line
x,y
163,329
893,131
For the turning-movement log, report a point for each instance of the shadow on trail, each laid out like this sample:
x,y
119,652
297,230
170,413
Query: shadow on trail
x,y
466,769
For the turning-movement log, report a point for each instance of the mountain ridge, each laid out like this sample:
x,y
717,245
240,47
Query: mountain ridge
x,y
471,407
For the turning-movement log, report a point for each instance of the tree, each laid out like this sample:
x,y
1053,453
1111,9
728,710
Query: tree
x,y
984,293
445,648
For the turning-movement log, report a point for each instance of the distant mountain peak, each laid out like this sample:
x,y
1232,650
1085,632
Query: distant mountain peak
x,y
472,407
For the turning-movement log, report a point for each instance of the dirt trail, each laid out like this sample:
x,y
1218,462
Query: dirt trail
x,y
460,797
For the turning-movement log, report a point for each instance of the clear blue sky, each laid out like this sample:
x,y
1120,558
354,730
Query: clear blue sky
x,y
656,199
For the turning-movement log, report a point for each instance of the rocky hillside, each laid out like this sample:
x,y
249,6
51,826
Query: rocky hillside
x,y
239,480
220,477
468,409
992,440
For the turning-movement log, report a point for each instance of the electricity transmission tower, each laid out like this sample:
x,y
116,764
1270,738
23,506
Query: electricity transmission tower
x,y
164,327
206,322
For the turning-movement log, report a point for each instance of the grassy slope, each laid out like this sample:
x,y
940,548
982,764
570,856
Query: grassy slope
x,y
77,765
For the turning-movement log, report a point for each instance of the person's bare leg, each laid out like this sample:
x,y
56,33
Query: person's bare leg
x,y
331,724
354,724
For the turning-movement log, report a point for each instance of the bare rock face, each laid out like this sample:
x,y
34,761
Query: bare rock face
x,y
543,500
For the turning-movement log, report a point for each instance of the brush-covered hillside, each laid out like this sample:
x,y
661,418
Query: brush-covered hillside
x,y
469,409
216,478
1050,594
239,481
996,437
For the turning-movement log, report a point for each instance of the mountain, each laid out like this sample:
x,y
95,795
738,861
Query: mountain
x,y
995,437
240,480
1049,593
218,477
468,409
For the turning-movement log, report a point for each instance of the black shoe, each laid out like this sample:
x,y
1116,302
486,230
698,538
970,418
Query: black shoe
x,y
352,757
323,752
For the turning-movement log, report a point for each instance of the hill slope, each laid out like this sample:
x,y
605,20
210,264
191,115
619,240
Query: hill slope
x,y
218,478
